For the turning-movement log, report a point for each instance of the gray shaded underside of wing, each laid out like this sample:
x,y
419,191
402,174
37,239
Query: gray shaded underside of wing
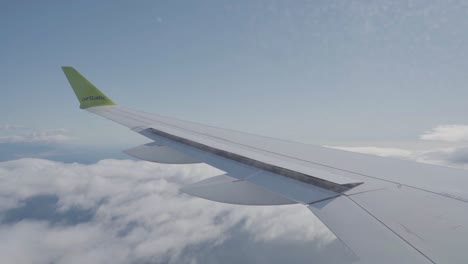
x,y
291,189
226,189
252,179
161,154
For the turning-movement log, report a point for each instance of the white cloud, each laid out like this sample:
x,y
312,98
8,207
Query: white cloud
x,y
21,134
453,154
456,157
451,133
140,215
38,242
140,200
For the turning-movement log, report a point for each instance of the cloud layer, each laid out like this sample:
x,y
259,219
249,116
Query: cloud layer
x,y
450,133
451,156
132,212
454,154
21,134
138,215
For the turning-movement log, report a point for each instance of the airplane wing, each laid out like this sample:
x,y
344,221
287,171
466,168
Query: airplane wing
x,y
384,210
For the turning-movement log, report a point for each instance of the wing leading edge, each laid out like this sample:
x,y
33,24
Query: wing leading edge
x,y
384,210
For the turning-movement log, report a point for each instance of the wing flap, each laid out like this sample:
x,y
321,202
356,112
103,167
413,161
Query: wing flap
x,y
160,154
370,240
434,224
226,189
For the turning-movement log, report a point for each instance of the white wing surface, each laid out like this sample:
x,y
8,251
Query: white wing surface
x,y
384,210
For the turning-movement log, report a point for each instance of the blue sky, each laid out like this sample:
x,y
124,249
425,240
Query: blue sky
x,y
387,78
310,71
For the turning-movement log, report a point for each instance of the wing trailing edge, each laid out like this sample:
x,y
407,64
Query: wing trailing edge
x,y
226,189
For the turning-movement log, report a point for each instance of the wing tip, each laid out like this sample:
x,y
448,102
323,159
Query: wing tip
x,y
88,95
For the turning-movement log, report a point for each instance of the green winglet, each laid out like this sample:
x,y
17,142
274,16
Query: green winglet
x,y
86,92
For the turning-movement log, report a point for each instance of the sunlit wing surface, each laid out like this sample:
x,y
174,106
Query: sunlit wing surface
x,y
384,210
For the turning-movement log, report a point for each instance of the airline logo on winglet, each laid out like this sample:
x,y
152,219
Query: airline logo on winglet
x,y
92,98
